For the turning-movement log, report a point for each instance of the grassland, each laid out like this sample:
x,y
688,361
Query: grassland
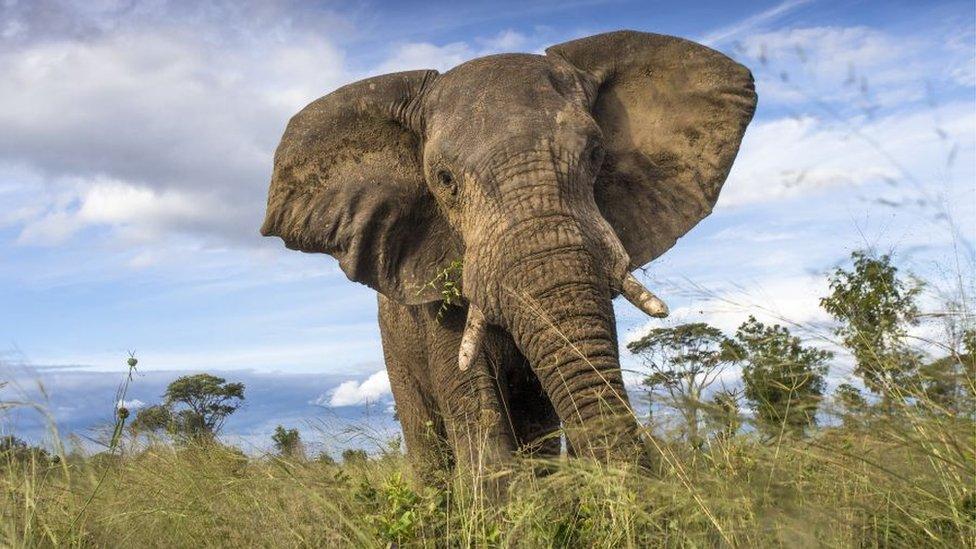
x,y
905,479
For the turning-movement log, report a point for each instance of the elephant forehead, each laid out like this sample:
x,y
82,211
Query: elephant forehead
x,y
505,83
516,100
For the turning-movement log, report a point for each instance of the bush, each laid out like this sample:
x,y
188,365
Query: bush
x,y
288,443
352,456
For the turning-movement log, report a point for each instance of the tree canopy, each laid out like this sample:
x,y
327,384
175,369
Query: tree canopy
x,y
784,380
152,419
683,361
874,308
288,443
208,400
194,408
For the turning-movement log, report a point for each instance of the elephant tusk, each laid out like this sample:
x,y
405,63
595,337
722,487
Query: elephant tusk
x,y
474,334
642,298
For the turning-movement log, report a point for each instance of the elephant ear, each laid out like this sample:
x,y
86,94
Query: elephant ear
x,y
672,113
348,181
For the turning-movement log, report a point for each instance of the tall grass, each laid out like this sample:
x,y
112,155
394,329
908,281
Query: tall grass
x,y
904,479
898,475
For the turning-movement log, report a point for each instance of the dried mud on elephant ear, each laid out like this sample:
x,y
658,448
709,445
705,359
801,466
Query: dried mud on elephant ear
x,y
348,181
673,114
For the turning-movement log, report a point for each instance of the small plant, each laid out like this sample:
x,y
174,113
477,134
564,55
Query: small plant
x,y
354,456
13,449
325,458
725,414
948,384
851,403
448,282
398,519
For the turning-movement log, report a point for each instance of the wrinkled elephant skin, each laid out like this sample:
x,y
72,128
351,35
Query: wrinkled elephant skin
x,y
549,178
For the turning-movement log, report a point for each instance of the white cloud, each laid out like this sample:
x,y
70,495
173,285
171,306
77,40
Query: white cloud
x,y
852,106
133,404
506,40
116,202
156,130
860,67
51,229
352,393
961,69
785,157
171,129
742,233
424,55
144,259
141,212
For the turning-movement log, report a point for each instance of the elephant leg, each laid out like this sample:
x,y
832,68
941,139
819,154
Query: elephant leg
x,y
469,400
404,350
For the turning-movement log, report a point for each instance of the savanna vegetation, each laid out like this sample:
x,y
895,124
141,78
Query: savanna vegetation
x,y
887,459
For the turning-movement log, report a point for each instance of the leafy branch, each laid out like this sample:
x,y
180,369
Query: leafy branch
x,y
447,282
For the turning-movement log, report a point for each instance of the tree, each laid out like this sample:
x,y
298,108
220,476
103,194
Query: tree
x,y
784,381
325,458
875,308
191,426
13,449
194,408
724,414
288,443
683,362
207,400
152,419
852,404
947,384
354,456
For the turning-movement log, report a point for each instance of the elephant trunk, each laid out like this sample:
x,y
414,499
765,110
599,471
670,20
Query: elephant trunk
x,y
571,343
544,264
562,319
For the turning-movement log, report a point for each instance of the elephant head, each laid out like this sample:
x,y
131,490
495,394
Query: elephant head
x,y
552,177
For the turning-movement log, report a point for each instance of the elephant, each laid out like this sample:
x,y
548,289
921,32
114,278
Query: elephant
x,y
497,209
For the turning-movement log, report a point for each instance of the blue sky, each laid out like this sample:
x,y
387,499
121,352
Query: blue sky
x,y
136,142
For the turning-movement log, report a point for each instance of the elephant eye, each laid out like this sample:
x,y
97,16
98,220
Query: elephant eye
x,y
445,178
596,155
